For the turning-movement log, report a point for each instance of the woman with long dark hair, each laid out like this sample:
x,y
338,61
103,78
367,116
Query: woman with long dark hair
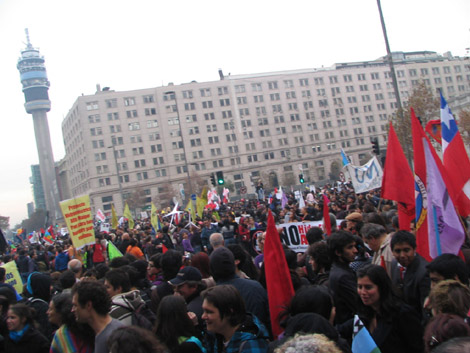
x,y
394,325
23,337
71,335
174,327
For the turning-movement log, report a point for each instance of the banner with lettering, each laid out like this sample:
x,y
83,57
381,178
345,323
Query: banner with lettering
x,y
366,177
12,276
77,214
294,235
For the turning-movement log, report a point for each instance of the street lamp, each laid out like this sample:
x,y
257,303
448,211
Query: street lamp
x,y
173,94
118,176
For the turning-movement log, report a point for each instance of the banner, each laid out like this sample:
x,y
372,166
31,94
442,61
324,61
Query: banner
x,y
366,177
100,216
12,276
294,235
77,214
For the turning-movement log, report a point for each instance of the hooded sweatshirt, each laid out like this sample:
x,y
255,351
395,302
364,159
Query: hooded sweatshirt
x,y
124,304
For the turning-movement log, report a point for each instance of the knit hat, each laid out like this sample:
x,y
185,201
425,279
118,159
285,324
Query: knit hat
x,y
222,263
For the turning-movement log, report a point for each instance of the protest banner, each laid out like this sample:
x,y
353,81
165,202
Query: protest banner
x,y
77,215
366,177
294,235
12,276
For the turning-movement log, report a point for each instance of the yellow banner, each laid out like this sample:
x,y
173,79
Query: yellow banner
x,y
127,214
12,276
114,219
77,214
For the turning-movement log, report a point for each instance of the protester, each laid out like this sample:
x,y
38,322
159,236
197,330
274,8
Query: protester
x,y
71,336
23,336
91,304
234,330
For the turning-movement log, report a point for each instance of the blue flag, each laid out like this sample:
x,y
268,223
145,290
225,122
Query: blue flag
x,y
362,340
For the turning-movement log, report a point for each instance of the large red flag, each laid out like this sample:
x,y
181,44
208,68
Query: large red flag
x,y
422,241
398,181
326,215
278,280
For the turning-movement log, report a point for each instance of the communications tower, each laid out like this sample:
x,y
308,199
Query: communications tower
x,y
35,88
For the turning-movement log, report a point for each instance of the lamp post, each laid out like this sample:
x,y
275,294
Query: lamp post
x,y
118,176
190,189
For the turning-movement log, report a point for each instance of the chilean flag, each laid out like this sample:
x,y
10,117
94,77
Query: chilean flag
x,y
455,159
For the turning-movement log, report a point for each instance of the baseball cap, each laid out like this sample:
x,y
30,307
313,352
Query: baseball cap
x,y
188,273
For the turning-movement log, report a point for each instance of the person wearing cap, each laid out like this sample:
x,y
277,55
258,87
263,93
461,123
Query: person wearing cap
x,y
354,222
188,284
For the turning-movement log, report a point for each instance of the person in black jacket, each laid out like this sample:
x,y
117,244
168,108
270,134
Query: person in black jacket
x,y
342,279
409,274
23,336
394,325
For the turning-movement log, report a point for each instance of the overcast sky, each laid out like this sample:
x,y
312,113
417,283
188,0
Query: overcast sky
x,y
137,44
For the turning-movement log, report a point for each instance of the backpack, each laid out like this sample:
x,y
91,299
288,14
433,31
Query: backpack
x,y
141,316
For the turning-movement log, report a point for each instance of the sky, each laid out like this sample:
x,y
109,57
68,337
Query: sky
x,y
139,44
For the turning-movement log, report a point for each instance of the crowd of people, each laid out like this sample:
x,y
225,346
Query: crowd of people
x,y
200,285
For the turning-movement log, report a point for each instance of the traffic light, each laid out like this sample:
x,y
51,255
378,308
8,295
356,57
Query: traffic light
x,y
375,145
220,177
213,179
301,178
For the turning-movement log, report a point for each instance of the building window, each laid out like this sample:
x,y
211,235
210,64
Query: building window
x,y
129,101
148,99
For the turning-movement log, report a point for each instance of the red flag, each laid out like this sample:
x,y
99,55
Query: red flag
x,y
398,181
164,248
455,158
278,280
422,241
433,128
326,215
51,231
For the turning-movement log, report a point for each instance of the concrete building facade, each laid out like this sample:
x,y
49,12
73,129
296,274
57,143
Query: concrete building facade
x,y
270,126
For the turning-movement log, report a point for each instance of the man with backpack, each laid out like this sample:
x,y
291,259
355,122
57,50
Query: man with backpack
x,y
127,305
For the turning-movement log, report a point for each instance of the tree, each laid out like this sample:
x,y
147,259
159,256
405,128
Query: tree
x,y
426,107
464,126
36,221
197,183
335,169
164,197
4,222
137,200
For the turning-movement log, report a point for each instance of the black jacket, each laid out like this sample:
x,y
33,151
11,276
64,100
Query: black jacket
x,y
343,285
32,342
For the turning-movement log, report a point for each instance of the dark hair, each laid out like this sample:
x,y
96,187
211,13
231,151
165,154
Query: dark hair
x,y
227,299
314,235
2,274
402,236
63,306
94,292
311,299
375,218
443,327
320,254
119,262
67,279
101,270
133,339
118,278
155,260
449,266
171,262
173,321
338,240
24,312
378,276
